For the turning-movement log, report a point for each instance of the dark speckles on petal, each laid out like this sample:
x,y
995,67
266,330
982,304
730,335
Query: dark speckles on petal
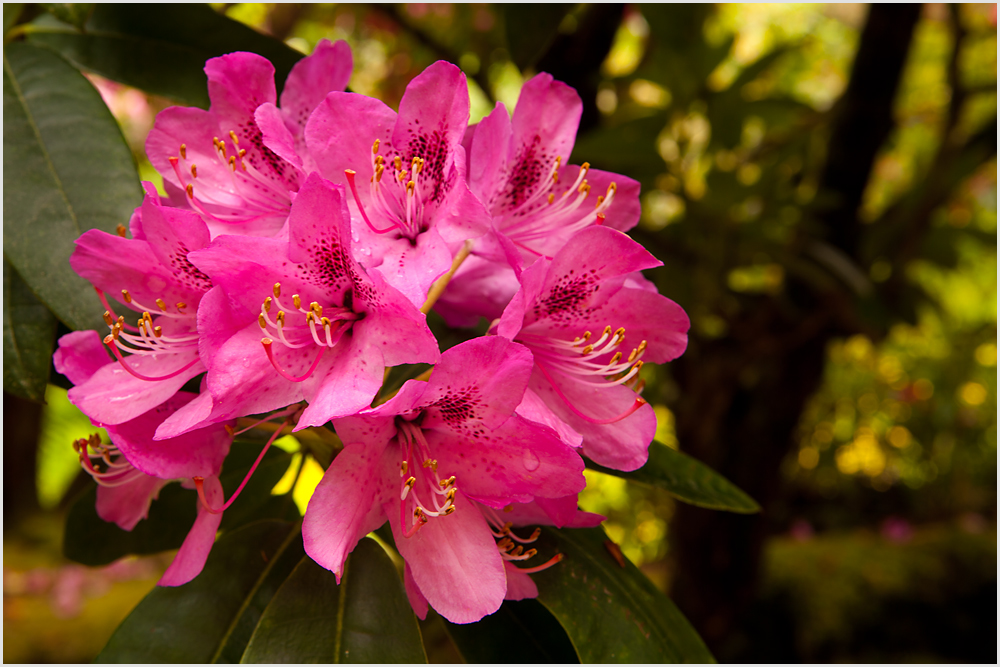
x,y
433,148
566,299
531,165
187,272
458,407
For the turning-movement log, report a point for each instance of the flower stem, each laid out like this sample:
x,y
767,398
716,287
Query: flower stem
x,y
437,289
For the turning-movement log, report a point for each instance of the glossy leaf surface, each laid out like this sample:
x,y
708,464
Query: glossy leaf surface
x,y
67,169
29,330
531,28
192,623
160,48
687,479
520,632
365,619
611,613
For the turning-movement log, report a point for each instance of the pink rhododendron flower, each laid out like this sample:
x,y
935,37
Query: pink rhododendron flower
x,y
426,460
537,202
590,325
406,173
152,275
217,161
131,471
297,318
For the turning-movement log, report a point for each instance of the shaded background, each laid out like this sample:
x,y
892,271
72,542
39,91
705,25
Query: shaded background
x,y
820,183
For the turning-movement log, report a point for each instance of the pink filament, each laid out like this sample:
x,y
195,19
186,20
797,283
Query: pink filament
x,y
282,372
639,402
121,360
354,190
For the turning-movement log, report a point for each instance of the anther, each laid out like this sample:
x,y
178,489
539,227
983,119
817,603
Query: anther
x,y
404,466
194,171
398,162
229,429
232,135
262,322
190,191
242,152
615,359
552,197
297,300
277,290
126,296
267,305
232,162
181,306
162,304
108,319
588,349
375,146
158,332
281,317
184,151
121,230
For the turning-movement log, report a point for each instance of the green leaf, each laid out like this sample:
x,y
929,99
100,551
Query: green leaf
x,y
29,331
611,613
67,169
11,12
520,632
90,540
686,479
366,618
531,29
160,48
74,13
194,622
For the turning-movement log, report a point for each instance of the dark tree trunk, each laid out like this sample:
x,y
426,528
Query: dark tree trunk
x,y
742,396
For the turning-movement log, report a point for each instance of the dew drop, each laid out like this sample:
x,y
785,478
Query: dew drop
x,y
530,461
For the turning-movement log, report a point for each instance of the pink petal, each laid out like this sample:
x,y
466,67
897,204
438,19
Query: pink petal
x,y
276,134
346,506
488,155
80,355
340,134
238,83
416,598
519,585
544,125
190,559
327,69
129,503
455,562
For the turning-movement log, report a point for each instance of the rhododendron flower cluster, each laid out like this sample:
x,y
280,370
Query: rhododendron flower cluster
x,y
293,262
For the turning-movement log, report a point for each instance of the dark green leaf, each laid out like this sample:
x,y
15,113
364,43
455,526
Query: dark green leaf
x,y
11,12
92,541
67,169
520,632
193,622
29,331
611,613
161,48
234,642
686,479
531,29
74,13
255,501
364,619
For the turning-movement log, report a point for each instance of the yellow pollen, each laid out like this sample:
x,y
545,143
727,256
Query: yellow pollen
x,y
126,296
612,188
410,186
584,188
375,147
267,305
316,308
277,290
232,135
588,349
552,197
530,553
297,300
184,151
158,332
108,319
607,330
121,321
325,321
379,159
431,463
398,162
403,467
558,161
615,359
535,534
194,171
121,230
585,167
281,318
181,306
190,191
445,483
518,550
451,510
261,321
410,482
242,152
378,173
638,365
232,162
161,303
451,494
642,347
310,317
620,334
419,512
600,200
632,356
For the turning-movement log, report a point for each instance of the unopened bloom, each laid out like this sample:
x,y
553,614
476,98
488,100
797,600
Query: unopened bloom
x,y
297,318
216,161
133,468
590,329
426,460
406,173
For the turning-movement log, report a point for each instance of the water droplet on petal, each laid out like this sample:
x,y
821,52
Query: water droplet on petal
x,y
530,461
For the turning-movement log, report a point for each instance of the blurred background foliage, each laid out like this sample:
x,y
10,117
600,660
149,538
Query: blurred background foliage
x,y
842,364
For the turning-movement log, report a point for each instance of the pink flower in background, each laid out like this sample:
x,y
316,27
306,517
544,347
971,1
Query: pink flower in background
x,y
428,460
152,275
216,161
590,326
297,318
406,173
131,471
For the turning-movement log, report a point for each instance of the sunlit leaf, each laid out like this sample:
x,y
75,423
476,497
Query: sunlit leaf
x,y
687,479
29,330
160,48
366,618
194,622
67,169
58,463
612,613
520,632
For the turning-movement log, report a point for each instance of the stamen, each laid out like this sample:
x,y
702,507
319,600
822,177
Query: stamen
x,y
350,173
121,230
109,341
558,558
266,342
